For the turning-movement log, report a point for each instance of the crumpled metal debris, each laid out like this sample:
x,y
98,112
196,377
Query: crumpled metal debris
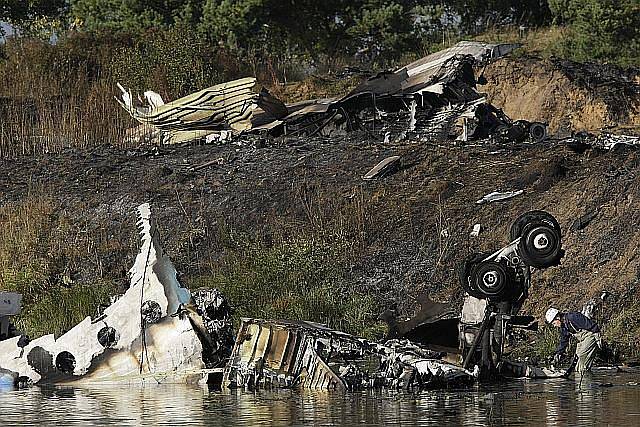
x,y
604,140
497,196
209,113
215,311
610,141
512,369
152,333
424,100
310,355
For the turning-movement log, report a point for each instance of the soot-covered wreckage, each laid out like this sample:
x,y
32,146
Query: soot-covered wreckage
x,y
160,332
434,98
157,330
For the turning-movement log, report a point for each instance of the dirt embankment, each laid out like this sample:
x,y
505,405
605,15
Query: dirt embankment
x,y
567,95
411,228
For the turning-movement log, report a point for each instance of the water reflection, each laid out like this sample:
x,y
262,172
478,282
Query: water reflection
x,y
551,402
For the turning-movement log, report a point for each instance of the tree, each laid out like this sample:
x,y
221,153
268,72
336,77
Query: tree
x,y
134,15
601,29
478,15
379,28
384,29
33,17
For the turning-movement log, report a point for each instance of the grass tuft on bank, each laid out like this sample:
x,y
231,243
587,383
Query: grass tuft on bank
x,y
42,252
296,279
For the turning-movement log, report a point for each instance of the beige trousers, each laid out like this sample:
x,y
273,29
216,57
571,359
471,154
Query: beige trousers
x,y
586,349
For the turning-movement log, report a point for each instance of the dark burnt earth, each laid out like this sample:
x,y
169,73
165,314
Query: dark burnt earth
x,y
411,229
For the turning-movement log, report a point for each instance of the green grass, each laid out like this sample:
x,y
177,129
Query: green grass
x,y
622,331
58,310
39,249
300,279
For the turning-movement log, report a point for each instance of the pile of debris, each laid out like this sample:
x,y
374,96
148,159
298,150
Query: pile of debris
x,y
605,141
432,99
288,353
158,331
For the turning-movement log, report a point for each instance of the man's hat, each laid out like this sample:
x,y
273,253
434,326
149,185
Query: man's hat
x,y
551,314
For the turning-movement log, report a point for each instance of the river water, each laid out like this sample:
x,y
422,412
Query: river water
x,y
604,398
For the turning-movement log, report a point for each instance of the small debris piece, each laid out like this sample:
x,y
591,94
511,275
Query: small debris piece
x,y
610,141
497,196
218,161
219,137
584,220
476,230
384,168
590,306
581,141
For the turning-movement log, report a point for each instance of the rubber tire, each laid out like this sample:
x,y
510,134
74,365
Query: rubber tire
x,y
500,273
536,257
464,272
532,216
538,132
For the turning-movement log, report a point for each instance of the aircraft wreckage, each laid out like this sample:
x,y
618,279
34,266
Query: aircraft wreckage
x,y
160,332
433,98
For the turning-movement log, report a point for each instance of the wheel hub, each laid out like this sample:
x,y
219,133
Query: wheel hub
x,y
541,241
490,279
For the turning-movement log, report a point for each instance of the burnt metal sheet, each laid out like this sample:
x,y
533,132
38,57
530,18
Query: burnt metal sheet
x,y
432,71
435,325
312,106
310,355
481,53
275,359
383,168
423,100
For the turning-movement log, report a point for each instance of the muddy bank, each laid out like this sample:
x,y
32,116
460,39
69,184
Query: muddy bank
x,y
383,241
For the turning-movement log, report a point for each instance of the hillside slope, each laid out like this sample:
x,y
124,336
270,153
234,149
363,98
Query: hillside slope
x,y
289,228
567,95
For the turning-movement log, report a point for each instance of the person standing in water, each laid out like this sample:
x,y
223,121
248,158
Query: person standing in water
x,y
583,329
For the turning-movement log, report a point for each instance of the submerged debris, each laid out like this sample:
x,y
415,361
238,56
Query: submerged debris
x,y
290,353
496,285
151,333
158,331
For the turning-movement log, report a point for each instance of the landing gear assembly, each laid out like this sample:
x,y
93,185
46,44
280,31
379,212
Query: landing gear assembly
x,y
497,285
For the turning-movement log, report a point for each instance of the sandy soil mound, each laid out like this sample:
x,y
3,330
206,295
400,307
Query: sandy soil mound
x,y
567,95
